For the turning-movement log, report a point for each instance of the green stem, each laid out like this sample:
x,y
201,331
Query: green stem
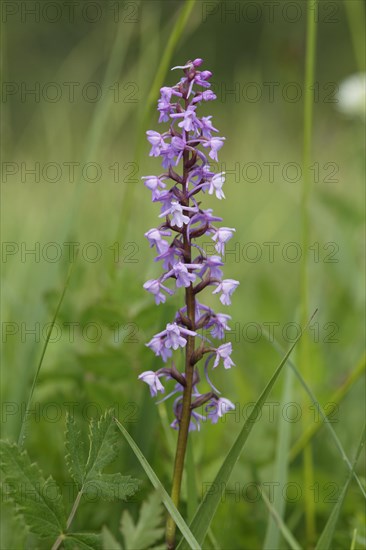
x,y
187,393
306,188
75,506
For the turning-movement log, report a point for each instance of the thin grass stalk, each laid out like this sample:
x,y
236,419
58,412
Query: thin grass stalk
x,y
304,351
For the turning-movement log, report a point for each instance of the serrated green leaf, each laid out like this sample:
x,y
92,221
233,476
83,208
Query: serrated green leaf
x,y
37,500
111,486
75,447
148,530
108,540
88,474
83,541
103,445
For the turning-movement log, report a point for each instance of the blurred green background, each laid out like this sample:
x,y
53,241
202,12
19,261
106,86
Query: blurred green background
x,y
94,71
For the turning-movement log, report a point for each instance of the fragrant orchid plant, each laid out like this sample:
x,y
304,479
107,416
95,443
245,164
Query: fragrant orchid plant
x,y
185,262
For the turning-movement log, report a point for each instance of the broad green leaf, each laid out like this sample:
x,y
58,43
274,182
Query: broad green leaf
x,y
272,539
75,447
83,541
111,486
37,500
287,535
325,540
148,530
168,503
207,509
108,540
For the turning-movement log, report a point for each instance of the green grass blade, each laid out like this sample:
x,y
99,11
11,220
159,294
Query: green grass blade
x,y
174,37
336,398
354,538
304,351
356,19
21,438
101,113
168,503
325,540
272,539
287,535
207,509
167,55
211,537
321,412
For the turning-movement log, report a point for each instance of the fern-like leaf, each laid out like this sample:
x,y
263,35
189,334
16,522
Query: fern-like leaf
x,y
103,444
111,486
37,500
75,451
103,449
82,541
148,530
108,540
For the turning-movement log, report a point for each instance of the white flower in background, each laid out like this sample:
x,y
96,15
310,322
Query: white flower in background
x,y
352,95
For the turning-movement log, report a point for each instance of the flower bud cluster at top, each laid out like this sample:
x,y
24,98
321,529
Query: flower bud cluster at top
x,y
184,262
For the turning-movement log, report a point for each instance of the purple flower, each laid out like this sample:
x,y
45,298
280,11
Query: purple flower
x,y
152,379
202,77
164,105
222,235
218,325
227,287
156,344
217,408
207,95
207,127
194,424
178,145
190,121
168,257
155,237
174,338
195,420
216,185
153,183
184,277
156,141
224,352
176,211
154,286
215,143
212,263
